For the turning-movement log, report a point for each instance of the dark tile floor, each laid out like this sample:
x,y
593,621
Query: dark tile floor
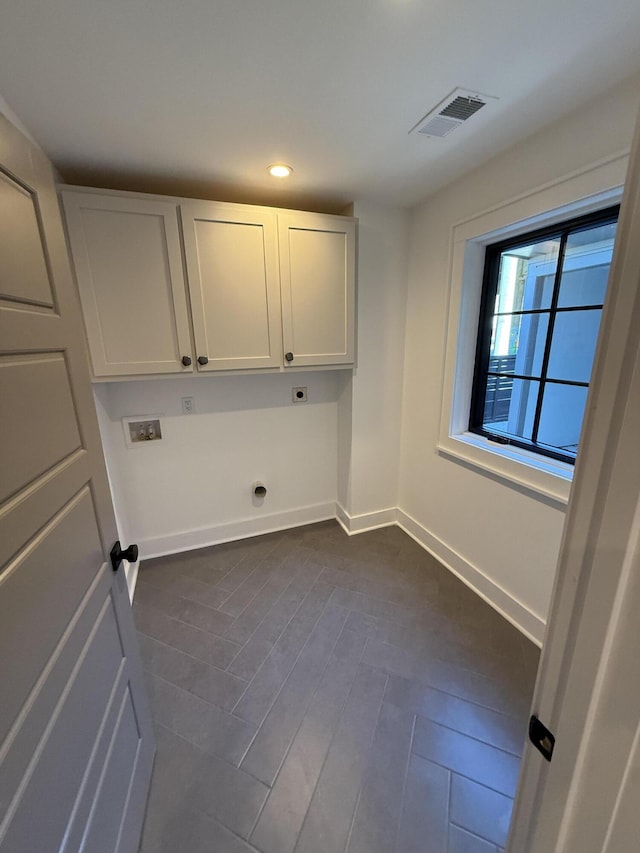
x,y
319,694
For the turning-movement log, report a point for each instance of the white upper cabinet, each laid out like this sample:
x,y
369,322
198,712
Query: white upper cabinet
x,y
232,271
128,265
317,279
182,286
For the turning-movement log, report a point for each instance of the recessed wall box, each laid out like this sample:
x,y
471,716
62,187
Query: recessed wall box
x,y
141,430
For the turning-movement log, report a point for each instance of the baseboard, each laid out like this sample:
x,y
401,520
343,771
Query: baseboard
x,y
514,611
366,521
342,517
202,537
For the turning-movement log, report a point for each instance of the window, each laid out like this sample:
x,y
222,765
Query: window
x,y
539,319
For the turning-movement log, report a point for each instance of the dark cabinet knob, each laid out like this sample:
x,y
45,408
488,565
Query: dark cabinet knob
x,y
289,356
118,555
186,360
202,359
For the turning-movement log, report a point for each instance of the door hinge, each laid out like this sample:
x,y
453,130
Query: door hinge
x,y
540,736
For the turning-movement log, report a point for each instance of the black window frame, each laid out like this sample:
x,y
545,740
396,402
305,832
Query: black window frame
x,y
493,253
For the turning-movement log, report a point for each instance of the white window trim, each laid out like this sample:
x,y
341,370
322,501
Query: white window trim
x,y
581,193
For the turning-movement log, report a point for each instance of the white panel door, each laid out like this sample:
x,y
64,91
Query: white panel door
x,y
317,276
76,741
232,269
128,262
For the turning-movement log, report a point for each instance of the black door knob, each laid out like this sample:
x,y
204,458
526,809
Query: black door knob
x,y
118,555
186,360
202,359
289,356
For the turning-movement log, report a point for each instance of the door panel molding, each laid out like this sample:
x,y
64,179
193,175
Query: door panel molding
x,y
22,247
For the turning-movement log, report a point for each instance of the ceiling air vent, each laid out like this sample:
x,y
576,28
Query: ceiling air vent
x,y
456,108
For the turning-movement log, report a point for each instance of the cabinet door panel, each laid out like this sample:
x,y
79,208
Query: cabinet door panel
x,y
129,268
233,285
317,270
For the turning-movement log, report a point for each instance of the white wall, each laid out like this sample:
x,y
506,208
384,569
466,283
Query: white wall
x,y
194,487
6,110
117,473
370,402
505,541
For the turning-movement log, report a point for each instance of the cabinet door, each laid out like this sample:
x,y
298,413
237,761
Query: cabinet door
x,y
317,277
232,270
128,264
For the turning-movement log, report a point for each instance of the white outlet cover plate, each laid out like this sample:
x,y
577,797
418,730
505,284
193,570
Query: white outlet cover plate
x,y
294,394
136,444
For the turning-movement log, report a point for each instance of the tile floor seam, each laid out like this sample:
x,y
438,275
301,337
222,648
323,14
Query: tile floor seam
x,y
194,628
433,686
449,787
191,657
377,598
355,810
215,757
475,834
248,640
465,734
295,734
183,574
404,782
326,756
384,619
460,699
196,696
257,592
249,603
146,581
233,832
261,723
310,699
465,776
240,648
353,820
293,580
182,622
229,570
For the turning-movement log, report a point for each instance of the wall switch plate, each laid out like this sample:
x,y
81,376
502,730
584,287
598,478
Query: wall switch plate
x,y
141,430
299,395
187,406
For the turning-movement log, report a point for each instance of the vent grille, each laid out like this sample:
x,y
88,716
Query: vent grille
x,y
451,113
462,108
438,126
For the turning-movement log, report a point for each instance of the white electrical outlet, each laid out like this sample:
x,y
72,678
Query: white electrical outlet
x,y
187,406
299,395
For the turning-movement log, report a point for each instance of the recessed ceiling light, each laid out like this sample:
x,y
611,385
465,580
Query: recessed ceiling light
x,y
279,170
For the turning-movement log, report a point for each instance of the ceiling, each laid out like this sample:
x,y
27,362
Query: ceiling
x,y
198,96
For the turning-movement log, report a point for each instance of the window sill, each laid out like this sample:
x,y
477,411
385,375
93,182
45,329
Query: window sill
x,y
546,479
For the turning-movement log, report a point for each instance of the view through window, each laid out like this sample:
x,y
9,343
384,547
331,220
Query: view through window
x,y
540,316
